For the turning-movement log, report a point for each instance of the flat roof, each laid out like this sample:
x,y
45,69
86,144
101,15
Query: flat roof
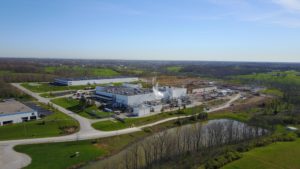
x,y
127,91
12,107
91,78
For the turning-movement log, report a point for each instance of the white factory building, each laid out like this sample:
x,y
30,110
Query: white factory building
x,y
92,81
12,111
124,95
138,98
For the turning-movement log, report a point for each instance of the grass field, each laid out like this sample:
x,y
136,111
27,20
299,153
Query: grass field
x,y
58,155
280,155
110,125
83,70
91,112
51,125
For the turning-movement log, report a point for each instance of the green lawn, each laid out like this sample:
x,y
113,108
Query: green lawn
x,y
53,125
280,155
46,87
58,155
91,112
110,125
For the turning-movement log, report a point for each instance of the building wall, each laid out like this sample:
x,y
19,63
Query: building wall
x,y
96,81
141,111
137,99
17,117
128,100
174,92
178,92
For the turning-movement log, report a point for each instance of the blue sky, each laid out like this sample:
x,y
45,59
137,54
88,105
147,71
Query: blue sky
x,y
222,30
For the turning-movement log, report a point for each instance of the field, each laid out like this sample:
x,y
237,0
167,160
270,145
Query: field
x,y
91,112
286,77
103,72
55,124
110,125
275,156
174,68
59,155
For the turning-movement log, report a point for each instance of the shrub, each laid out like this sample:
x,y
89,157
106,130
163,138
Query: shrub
x,y
223,159
203,116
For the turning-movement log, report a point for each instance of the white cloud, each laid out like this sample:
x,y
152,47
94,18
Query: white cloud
x,y
293,5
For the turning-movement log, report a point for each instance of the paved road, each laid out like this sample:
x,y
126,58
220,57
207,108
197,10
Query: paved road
x,y
85,125
9,159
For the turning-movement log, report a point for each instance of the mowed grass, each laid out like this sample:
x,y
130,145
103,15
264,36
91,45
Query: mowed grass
x,y
58,155
49,126
110,125
46,87
91,112
280,155
66,102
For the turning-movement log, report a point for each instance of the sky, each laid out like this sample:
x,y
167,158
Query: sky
x,y
215,30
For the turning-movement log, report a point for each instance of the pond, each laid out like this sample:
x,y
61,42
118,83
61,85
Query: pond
x,y
177,141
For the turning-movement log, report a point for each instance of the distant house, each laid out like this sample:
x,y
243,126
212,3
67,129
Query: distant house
x,y
12,111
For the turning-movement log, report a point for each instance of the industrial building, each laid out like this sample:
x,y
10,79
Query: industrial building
x,y
91,81
124,95
205,90
140,100
12,111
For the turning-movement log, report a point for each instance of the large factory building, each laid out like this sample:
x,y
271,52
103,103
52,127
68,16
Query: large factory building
x,y
142,101
124,95
91,81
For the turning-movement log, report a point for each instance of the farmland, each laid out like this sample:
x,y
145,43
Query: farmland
x,y
103,72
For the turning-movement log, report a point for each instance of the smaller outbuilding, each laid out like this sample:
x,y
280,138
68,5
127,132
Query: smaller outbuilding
x,y
12,111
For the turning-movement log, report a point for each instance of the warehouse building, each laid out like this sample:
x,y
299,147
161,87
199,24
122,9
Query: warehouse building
x,y
92,81
12,111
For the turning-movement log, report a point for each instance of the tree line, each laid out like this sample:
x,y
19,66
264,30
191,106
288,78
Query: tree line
x,y
175,144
